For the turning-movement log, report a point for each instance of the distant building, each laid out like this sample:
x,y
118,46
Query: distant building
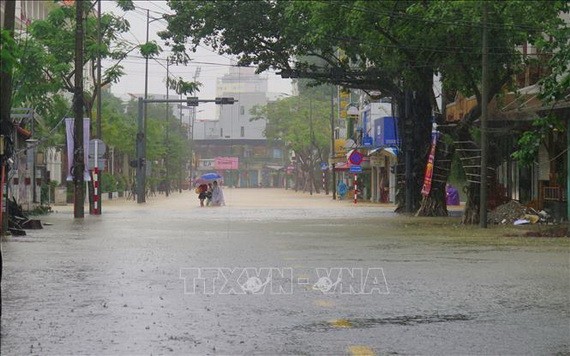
x,y
28,10
235,145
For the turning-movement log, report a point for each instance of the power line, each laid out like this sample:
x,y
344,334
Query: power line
x,y
158,6
194,62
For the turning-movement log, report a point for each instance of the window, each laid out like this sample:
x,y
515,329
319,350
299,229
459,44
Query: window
x,y
242,133
221,132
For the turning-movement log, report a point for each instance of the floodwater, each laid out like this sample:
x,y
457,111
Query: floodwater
x,y
279,272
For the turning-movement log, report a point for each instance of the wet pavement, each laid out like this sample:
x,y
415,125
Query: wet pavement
x,y
279,272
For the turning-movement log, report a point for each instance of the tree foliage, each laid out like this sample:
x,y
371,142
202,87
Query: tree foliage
x,y
49,49
302,124
392,46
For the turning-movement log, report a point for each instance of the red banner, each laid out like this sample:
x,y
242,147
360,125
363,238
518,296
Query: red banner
x,y
429,168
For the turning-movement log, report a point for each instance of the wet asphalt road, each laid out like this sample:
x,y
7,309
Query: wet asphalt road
x,y
168,277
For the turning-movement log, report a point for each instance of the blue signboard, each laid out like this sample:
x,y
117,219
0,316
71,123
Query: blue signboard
x,y
355,169
324,166
385,131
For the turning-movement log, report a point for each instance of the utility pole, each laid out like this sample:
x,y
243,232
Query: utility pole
x,y
140,151
78,159
140,162
333,173
484,101
99,106
98,133
167,132
183,166
408,132
142,178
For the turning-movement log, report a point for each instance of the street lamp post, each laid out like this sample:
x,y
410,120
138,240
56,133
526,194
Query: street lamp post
x,y
333,173
181,165
167,133
142,135
142,199
140,162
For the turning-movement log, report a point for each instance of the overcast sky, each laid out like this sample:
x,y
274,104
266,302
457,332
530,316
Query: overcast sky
x,y
212,65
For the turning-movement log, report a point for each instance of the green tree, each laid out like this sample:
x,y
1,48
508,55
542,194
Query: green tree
x,y
303,124
555,87
48,64
118,128
395,47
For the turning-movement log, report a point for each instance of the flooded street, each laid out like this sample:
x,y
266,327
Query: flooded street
x,y
279,272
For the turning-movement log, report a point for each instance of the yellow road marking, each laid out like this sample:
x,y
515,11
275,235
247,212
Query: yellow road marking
x,y
359,350
340,323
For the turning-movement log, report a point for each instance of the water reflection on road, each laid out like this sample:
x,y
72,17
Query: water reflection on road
x,y
168,277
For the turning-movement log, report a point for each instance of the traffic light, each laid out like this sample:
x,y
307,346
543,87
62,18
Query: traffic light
x,y
192,101
224,101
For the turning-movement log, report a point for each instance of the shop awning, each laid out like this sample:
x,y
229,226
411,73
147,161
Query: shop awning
x,y
392,151
275,168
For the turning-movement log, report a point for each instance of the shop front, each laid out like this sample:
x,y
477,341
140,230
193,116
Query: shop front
x,y
383,163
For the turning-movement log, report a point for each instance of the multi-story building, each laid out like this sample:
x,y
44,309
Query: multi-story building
x,y
27,10
235,145
30,167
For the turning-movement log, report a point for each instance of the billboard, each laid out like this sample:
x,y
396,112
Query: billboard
x,y
385,131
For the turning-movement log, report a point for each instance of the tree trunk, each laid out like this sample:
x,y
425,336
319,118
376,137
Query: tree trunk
x,y
416,128
435,204
471,211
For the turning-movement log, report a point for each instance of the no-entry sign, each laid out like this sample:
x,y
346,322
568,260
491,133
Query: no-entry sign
x,y
355,157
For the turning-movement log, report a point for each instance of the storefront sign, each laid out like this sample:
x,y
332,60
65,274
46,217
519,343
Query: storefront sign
x,y
226,163
206,164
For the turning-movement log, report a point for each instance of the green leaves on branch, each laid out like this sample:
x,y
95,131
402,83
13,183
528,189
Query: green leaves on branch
x,y
47,62
126,5
150,49
530,141
8,52
183,87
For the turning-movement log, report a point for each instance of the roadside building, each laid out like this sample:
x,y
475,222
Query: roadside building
x,y
543,184
234,143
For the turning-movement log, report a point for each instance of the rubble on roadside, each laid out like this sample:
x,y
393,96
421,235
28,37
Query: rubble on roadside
x,y
515,213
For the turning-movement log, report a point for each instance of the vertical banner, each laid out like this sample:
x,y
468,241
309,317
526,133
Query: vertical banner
x,y
343,102
69,135
69,128
429,168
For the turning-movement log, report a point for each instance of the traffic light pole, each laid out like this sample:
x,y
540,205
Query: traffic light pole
x,y
140,162
141,176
